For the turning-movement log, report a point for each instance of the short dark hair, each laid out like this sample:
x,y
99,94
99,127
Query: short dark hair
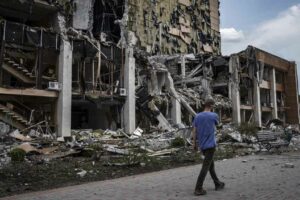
x,y
209,102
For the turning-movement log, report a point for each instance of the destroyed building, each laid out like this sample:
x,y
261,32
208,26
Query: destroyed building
x,y
63,60
262,86
111,64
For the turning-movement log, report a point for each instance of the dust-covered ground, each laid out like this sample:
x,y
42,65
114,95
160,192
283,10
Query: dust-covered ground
x,y
25,177
262,177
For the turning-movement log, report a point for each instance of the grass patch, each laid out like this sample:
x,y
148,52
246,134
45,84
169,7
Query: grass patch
x,y
247,129
17,155
178,142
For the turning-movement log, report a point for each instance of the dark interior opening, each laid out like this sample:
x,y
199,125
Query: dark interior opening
x,y
106,12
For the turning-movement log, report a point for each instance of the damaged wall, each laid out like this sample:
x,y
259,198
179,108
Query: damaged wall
x,y
171,27
83,14
292,101
267,88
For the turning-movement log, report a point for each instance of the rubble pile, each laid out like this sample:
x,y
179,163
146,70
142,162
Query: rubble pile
x,y
42,147
222,102
108,144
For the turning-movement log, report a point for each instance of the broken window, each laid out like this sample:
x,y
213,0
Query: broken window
x,y
279,77
265,97
106,12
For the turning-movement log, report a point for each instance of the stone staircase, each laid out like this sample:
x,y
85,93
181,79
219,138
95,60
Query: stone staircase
x,y
16,68
13,118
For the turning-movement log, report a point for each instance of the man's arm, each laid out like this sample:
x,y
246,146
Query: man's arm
x,y
217,122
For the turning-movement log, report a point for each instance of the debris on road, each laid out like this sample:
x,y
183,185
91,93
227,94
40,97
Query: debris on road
x,y
82,173
289,165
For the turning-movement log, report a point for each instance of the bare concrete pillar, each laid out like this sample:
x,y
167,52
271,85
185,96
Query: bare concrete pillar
x,y
64,102
175,99
257,103
273,93
176,111
234,64
129,82
183,71
243,115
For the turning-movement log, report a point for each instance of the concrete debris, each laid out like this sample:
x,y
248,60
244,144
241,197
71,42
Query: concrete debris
x,y
131,87
16,134
121,164
28,148
289,165
295,142
138,132
4,129
236,136
82,174
157,144
117,143
114,149
143,164
164,152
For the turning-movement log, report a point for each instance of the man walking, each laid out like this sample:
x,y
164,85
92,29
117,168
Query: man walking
x,y
204,127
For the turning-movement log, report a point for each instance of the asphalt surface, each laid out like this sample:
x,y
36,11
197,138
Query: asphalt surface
x,y
254,177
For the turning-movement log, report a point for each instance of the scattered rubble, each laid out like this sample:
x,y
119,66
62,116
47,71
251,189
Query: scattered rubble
x,y
295,142
82,173
289,165
108,144
4,129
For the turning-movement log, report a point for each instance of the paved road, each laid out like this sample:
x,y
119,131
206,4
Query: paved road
x,y
258,177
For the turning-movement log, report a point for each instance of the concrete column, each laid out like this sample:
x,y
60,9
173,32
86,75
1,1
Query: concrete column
x,y
273,93
243,115
175,99
206,85
235,89
183,71
176,111
257,103
64,102
129,82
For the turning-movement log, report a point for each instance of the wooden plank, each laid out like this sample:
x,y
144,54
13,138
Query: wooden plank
x,y
29,92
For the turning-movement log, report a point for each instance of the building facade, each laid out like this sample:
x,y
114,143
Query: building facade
x,y
108,64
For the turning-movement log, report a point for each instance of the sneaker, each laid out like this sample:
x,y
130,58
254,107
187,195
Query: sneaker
x,y
220,186
199,192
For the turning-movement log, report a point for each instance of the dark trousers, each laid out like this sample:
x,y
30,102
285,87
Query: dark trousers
x,y
208,165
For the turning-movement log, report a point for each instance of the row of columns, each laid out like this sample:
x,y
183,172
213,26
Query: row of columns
x,y
235,93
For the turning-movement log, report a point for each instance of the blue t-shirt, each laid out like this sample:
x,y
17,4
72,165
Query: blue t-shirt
x,y
205,124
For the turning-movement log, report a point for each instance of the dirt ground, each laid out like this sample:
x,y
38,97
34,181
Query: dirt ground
x,y
25,177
